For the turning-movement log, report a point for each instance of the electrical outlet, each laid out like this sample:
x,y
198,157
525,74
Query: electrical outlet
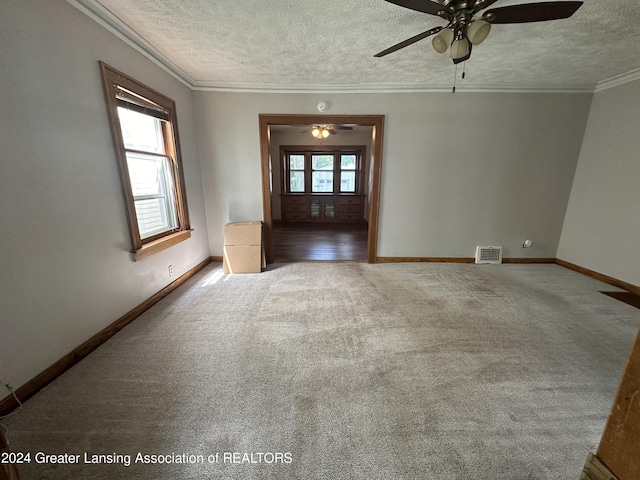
x,y
170,270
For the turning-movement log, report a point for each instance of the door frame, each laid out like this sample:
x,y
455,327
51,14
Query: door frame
x,y
375,176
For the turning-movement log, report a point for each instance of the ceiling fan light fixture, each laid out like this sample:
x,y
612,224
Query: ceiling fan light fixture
x,y
442,40
460,48
477,31
320,132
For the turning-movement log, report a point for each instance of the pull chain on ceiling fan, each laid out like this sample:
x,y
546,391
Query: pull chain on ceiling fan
x,y
466,29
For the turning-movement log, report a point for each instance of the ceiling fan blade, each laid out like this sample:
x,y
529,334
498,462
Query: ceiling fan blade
x,y
424,6
531,12
408,42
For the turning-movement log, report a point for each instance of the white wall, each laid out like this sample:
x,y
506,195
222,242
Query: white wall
x,y
66,268
458,170
602,224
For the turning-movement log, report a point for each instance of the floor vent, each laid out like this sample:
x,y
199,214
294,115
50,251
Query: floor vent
x,y
488,254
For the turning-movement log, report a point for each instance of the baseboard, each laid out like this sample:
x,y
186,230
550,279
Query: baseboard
x,y
458,260
41,380
424,259
635,289
216,259
528,260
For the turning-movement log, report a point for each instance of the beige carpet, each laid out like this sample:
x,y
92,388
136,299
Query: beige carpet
x,y
344,371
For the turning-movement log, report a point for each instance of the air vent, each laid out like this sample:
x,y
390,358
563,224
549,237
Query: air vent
x,y
488,254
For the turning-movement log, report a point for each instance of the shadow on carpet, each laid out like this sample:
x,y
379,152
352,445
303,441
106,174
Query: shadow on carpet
x,y
626,297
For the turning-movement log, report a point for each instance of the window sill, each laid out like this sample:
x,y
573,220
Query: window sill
x,y
161,244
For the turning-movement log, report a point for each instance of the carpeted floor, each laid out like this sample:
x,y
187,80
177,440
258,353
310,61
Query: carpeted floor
x,y
344,371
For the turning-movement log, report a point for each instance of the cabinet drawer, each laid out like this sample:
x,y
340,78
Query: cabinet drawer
x,y
294,208
350,200
294,216
351,208
294,200
351,217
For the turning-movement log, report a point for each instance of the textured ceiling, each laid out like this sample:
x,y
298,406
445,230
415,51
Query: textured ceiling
x,y
329,45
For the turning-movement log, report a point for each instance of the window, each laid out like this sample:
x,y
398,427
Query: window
x,y
144,128
296,173
321,173
330,171
348,173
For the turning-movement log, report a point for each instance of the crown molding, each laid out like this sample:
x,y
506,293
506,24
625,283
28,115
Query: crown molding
x,y
94,10
615,81
383,88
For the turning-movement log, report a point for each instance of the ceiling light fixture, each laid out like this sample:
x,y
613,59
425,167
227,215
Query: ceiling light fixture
x,y
461,40
442,41
320,132
477,31
468,26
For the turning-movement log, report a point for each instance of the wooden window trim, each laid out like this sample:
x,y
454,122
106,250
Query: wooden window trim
x,y
161,244
114,82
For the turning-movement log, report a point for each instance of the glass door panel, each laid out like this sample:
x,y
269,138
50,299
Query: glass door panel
x,y
329,208
315,208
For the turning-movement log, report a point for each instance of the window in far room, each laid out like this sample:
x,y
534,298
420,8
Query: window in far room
x,y
348,164
296,173
322,173
329,171
145,135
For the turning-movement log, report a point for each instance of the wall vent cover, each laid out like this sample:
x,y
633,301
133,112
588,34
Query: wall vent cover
x,y
488,254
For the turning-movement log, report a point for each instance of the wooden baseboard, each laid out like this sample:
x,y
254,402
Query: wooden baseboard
x,y
30,388
424,260
216,259
528,260
635,289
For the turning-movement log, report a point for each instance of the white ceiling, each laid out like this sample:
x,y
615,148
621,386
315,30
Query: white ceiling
x,y
325,46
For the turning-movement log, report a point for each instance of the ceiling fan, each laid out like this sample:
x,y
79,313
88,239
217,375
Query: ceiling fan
x,y
466,28
323,131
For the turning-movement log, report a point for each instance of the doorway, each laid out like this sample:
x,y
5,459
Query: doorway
x,y
376,122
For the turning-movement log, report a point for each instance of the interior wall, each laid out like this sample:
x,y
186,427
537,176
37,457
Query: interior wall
x,y
458,170
602,224
67,270
342,138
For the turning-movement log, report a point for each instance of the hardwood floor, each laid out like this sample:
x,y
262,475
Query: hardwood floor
x,y
321,242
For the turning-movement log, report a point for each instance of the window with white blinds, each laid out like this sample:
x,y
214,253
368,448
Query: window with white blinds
x,y
143,124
